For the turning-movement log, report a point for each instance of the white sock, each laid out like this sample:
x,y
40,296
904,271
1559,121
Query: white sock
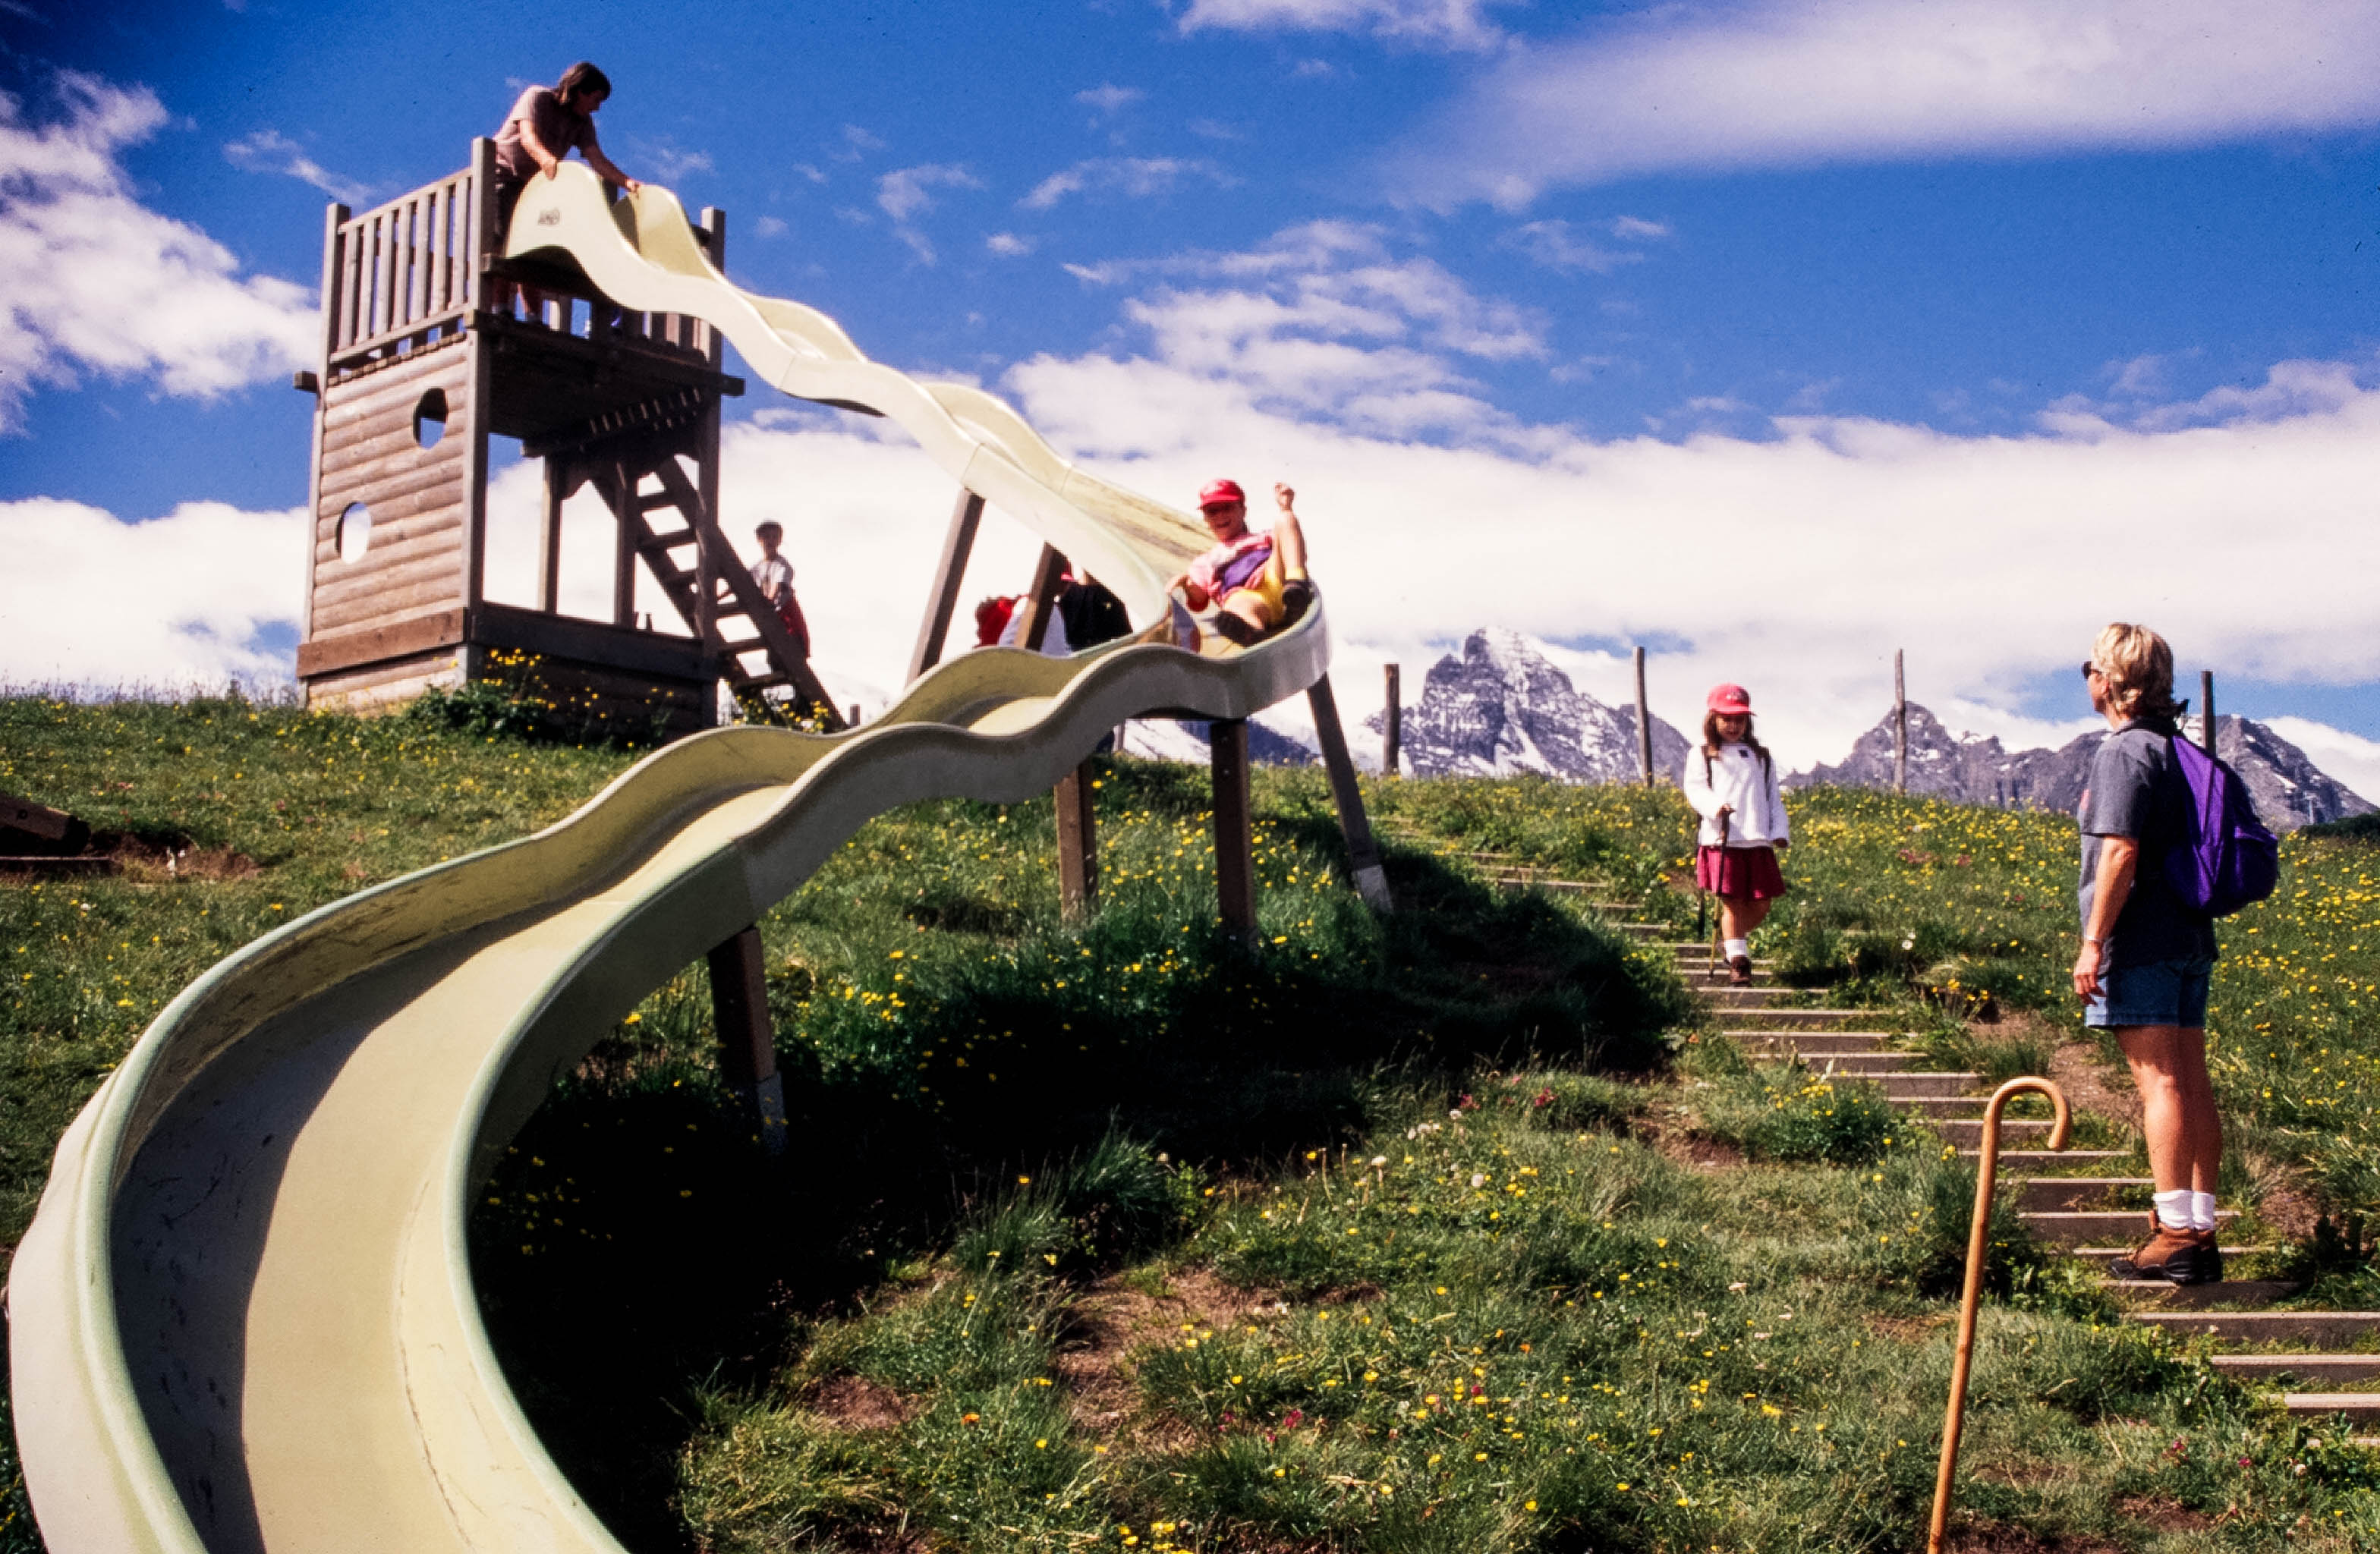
x,y
2202,1212
1739,947
2173,1208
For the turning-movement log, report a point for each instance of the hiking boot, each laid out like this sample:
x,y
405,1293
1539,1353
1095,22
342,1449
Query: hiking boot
x,y
2210,1257
1232,628
2170,1255
1739,971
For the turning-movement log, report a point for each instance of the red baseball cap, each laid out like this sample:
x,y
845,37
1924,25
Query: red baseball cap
x,y
1728,700
1222,493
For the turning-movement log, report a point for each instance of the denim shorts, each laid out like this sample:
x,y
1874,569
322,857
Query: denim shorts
x,y
2152,993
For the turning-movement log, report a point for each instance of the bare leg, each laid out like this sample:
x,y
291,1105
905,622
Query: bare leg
x,y
2177,1117
1289,542
1738,915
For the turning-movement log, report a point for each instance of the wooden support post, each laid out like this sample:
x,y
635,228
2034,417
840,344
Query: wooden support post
x,y
1078,846
1899,727
852,722
708,542
2206,706
1235,863
625,480
748,1044
1391,724
1363,853
549,533
1644,724
1040,600
942,604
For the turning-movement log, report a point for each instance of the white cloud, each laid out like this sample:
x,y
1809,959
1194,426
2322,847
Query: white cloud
x,y
906,192
270,151
1458,24
1137,178
1773,83
670,163
2137,397
1558,245
1008,245
2351,759
1110,99
92,601
1636,229
91,280
769,226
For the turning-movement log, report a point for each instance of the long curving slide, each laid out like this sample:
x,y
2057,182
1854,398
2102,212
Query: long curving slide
x,y
243,1319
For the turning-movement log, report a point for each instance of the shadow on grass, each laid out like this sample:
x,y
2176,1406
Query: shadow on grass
x,y
635,1246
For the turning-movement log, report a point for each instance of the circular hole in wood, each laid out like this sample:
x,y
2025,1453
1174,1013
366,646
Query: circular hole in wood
x,y
430,418
355,531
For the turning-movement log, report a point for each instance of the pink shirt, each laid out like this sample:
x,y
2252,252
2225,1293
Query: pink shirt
x,y
1215,572
557,127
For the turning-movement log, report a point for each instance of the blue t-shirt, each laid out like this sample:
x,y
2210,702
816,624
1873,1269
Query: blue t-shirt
x,y
2135,792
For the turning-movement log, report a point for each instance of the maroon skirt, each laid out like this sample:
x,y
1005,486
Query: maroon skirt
x,y
1739,872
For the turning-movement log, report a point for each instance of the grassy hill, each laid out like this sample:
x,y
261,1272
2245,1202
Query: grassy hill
x,y
1447,1231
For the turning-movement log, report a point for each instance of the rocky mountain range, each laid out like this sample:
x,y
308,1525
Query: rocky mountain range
x,y
1502,708
2289,789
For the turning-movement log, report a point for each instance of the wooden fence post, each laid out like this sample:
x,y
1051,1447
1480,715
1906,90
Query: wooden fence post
x,y
1078,846
1041,599
1363,853
1899,727
748,1045
2206,706
1644,724
1235,868
1391,724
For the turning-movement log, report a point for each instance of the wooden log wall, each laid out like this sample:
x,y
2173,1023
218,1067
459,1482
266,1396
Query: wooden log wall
x,y
416,561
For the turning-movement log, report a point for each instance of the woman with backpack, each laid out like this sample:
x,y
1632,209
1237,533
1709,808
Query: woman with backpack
x,y
1731,783
2147,953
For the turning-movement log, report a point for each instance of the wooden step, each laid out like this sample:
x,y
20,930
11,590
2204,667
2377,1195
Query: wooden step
x,y
1941,1108
2096,1227
1970,1131
2329,1329
2302,1368
1810,1044
1800,1019
2018,1161
2143,1294
2045,1193
1921,1085
1870,1065
2363,1408
2110,1253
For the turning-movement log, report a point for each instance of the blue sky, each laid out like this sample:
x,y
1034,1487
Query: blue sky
x,y
1780,332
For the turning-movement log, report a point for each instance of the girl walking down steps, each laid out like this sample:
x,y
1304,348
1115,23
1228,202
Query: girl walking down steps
x,y
1731,783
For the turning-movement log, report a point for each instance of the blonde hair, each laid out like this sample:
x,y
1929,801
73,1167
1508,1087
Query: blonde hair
x,y
2138,668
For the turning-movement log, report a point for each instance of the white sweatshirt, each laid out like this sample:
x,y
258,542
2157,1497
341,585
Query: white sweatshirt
x,y
1739,780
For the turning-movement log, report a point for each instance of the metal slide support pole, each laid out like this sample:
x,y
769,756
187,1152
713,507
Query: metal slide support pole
x,y
1235,863
748,1046
1078,846
941,605
1391,724
1644,724
1363,851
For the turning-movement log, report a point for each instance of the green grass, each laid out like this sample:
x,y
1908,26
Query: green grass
x,y
1029,1152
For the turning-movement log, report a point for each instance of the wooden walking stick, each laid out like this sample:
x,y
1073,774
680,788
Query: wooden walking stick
x,y
1718,926
1986,1163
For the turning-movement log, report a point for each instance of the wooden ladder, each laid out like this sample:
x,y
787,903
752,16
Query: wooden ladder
x,y
712,588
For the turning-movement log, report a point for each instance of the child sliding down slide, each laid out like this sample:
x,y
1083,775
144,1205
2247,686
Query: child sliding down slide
x,y
1731,783
1255,580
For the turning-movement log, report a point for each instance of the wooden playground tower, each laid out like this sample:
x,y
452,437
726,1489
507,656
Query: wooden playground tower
x,y
419,369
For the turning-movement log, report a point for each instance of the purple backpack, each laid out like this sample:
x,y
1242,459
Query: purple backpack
x,y
2225,858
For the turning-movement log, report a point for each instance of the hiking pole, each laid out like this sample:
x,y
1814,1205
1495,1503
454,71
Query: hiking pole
x,y
1710,972
1986,1163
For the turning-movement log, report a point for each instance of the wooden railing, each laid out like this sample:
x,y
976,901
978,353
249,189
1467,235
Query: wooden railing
x,y
409,273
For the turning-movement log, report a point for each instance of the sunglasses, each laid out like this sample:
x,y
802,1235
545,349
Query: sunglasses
x,y
2089,670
